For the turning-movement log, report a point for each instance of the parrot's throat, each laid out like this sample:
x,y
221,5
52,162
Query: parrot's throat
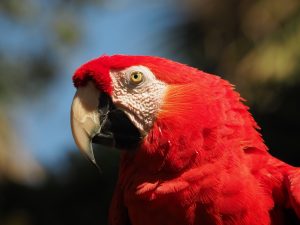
x,y
116,129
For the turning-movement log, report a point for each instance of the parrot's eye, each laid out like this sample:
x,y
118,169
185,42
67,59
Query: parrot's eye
x,y
136,77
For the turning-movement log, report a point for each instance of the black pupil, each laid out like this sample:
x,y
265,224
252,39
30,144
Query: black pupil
x,y
136,76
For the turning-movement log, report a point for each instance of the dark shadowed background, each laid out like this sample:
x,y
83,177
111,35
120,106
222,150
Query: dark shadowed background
x,y
43,178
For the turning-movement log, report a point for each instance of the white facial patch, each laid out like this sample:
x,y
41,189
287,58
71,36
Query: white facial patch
x,y
139,100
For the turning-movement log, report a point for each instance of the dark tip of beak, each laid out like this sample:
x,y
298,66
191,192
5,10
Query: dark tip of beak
x,y
104,139
116,128
126,135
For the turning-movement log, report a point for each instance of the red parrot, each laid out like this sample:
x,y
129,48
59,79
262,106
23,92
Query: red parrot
x,y
191,152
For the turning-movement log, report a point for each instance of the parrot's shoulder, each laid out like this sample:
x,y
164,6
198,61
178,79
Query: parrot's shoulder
x,y
292,182
279,179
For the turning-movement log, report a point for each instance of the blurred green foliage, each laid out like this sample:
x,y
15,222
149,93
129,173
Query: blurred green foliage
x,y
250,43
55,28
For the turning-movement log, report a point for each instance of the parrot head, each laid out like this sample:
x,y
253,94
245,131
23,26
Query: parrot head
x,y
159,109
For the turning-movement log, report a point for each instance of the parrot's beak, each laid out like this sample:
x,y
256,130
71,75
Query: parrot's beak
x,y
85,121
95,119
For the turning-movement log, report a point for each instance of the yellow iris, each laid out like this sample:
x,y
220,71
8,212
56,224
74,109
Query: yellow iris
x,y
136,77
